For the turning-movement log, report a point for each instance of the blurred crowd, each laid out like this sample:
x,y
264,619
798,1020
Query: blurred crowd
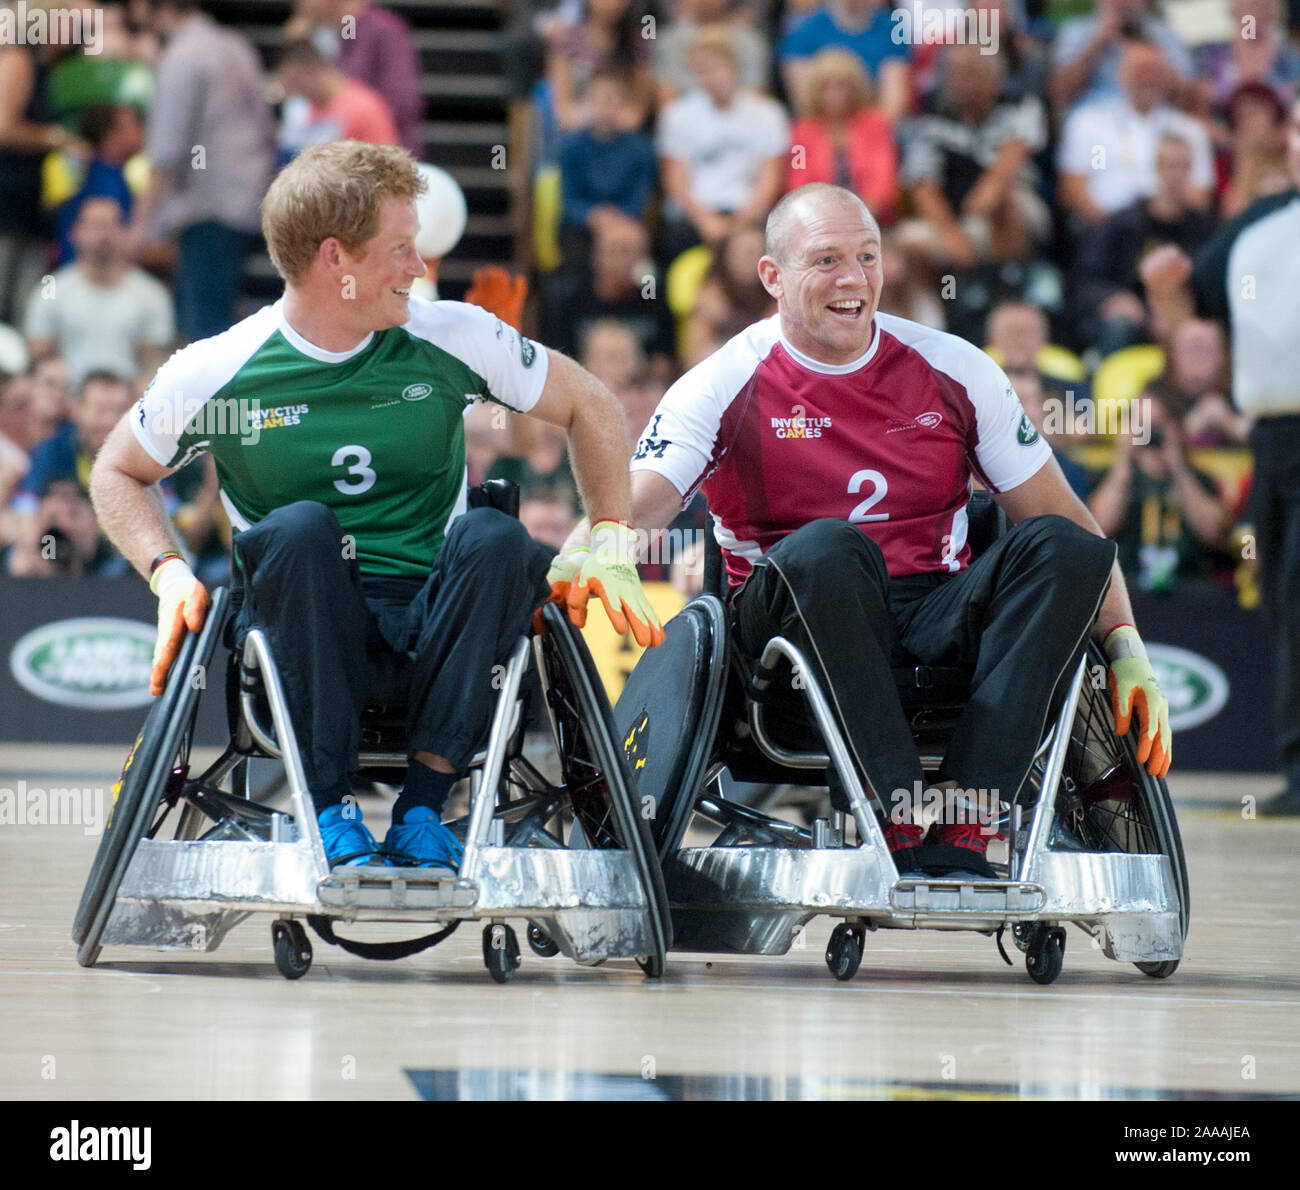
x,y
1022,163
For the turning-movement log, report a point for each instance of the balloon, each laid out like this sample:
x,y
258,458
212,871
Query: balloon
x,y
442,213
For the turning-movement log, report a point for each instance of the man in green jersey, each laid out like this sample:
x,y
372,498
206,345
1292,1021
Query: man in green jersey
x,y
335,420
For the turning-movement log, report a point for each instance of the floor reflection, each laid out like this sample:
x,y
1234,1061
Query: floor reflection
x,y
538,1085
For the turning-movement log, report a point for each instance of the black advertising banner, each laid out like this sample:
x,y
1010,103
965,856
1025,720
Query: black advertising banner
x,y
76,655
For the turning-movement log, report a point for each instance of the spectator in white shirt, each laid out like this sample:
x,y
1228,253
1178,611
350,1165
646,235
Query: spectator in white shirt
x,y
1107,158
99,312
721,147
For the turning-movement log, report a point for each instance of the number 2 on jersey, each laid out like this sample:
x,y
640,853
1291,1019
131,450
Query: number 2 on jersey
x,y
360,468
880,486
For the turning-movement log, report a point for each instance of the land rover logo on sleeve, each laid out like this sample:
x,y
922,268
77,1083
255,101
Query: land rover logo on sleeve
x,y
99,663
416,392
1026,435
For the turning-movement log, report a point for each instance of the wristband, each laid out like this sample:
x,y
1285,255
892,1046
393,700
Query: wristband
x,y
1124,641
160,559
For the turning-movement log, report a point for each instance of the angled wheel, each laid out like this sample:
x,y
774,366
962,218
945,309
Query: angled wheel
x,y
595,772
1111,803
151,778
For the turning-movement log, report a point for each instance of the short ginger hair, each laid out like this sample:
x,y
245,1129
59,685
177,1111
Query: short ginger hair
x,y
332,190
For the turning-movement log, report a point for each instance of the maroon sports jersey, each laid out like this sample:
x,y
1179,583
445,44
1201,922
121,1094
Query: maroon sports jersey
x,y
888,442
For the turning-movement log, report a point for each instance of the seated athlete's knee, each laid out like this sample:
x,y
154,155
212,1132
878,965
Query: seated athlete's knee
x,y
303,529
308,519
486,533
1059,540
831,547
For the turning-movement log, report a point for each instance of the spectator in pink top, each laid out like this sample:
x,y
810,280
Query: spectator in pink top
x,y
341,107
840,137
373,46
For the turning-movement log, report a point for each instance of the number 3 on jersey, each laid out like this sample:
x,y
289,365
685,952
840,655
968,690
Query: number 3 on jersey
x,y
357,461
880,486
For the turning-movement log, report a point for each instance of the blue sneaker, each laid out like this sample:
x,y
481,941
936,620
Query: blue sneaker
x,y
348,842
423,841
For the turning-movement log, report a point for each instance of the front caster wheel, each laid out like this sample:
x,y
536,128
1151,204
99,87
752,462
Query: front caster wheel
x,y
844,951
500,951
1158,970
651,964
292,949
1046,955
541,942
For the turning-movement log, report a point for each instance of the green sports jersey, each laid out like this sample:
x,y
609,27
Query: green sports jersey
x,y
375,433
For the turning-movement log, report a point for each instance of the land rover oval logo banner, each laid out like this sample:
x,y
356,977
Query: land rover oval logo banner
x,y
99,663
1196,688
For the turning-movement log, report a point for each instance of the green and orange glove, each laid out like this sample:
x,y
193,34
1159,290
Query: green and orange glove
x,y
606,568
1133,686
182,603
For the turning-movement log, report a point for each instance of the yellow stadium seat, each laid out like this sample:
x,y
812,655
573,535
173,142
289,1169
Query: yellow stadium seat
x,y
548,205
61,177
1060,363
684,278
682,286
1122,376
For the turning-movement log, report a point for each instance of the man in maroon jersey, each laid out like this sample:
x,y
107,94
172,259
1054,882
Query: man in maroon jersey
x,y
836,446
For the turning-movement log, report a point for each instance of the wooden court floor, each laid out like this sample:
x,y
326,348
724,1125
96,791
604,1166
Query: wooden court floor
x,y
928,1015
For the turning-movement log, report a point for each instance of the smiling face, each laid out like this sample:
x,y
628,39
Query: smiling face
x,y
381,270
826,276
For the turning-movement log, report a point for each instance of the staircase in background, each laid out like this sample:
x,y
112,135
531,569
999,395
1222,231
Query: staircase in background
x,y
464,89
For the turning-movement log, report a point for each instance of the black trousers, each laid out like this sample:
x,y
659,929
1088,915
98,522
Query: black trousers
x,y
1019,617
1275,511
322,618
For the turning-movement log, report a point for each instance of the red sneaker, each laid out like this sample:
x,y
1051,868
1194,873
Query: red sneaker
x,y
900,836
969,835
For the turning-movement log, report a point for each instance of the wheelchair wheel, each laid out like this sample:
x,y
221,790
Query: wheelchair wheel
x,y
1112,803
292,949
844,951
595,772
151,779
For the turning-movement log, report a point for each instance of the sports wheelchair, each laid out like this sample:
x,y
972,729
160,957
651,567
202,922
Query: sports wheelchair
x,y
186,857
1091,837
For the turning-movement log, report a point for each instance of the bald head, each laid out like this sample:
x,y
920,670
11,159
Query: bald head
x,y
803,205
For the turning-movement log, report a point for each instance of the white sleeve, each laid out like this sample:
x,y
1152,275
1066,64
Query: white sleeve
x,y
671,136
1008,450
1075,153
773,138
178,391
159,327
1202,175
513,367
187,382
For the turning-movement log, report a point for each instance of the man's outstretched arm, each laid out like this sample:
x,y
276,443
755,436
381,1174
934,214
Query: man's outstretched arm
x,y
599,450
1133,685
129,505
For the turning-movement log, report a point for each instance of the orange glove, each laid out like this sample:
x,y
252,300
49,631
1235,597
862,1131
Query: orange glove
x,y
498,293
607,568
182,603
1133,687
